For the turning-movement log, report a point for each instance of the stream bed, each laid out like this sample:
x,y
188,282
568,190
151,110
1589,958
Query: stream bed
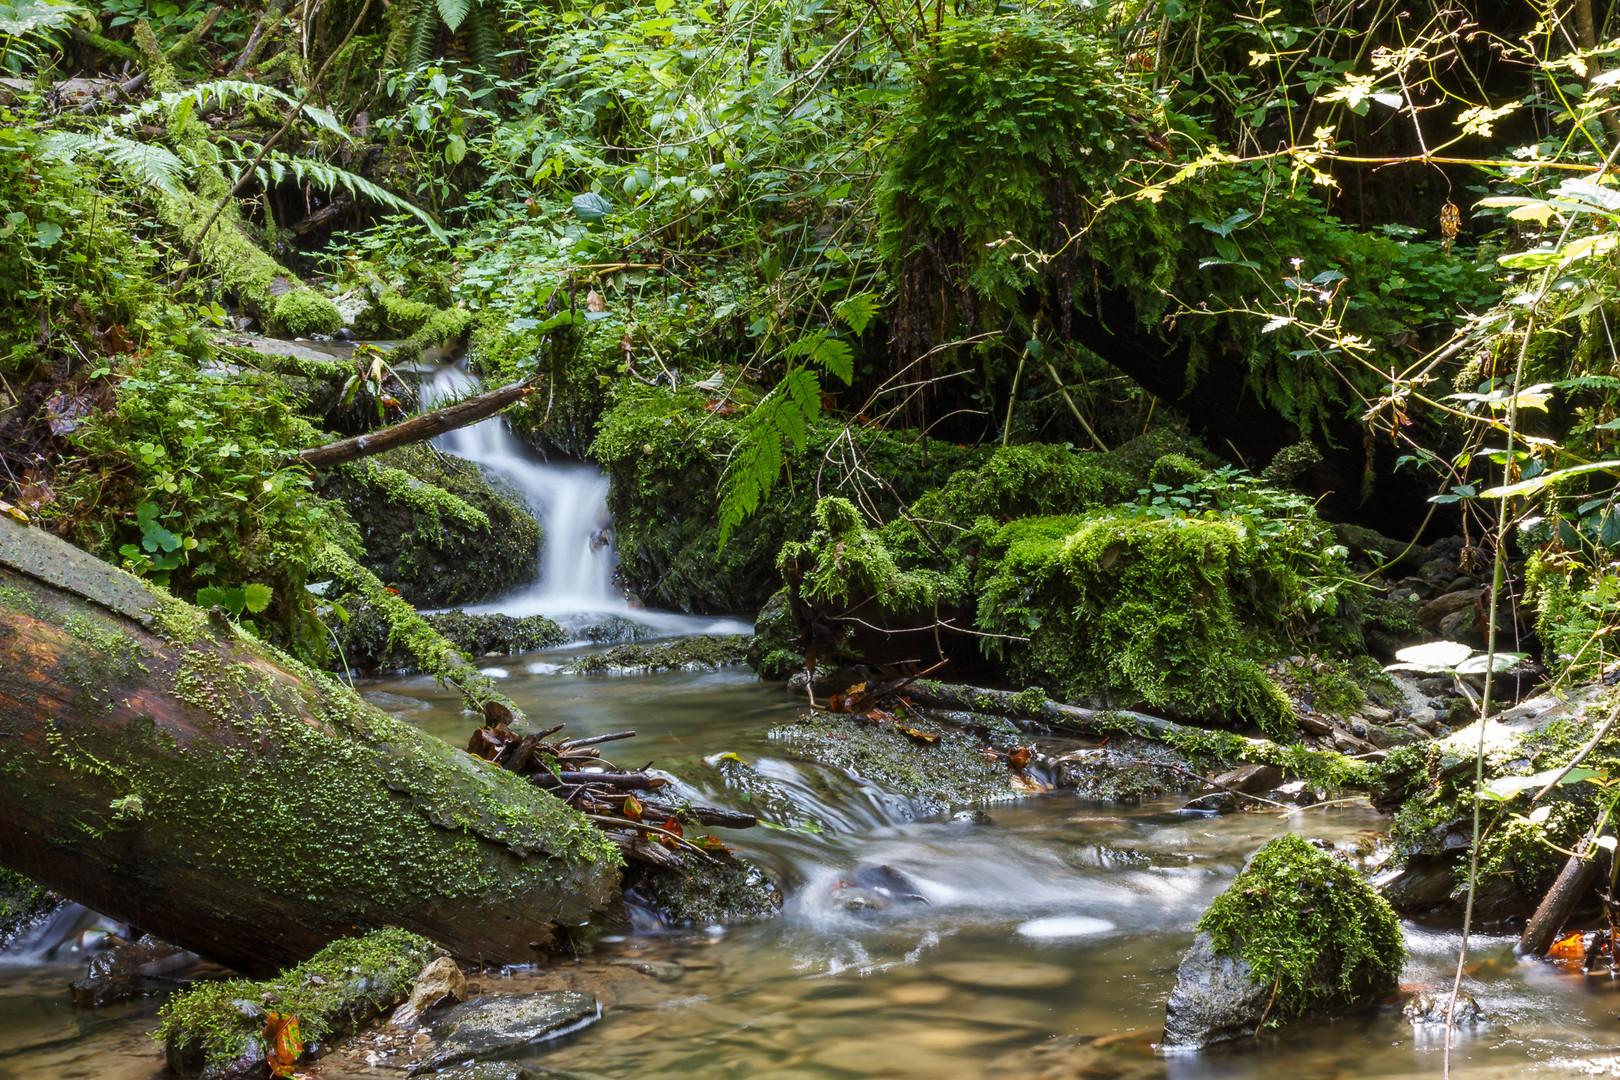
x,y
1046,946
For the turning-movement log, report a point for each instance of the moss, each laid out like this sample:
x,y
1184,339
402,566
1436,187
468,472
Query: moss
x,y
1310,926
936,776
684,654
303,312
393,315
774,652
23,904
435,528
1292,462
1176,612
1023,481
701,894
1176,471
334,992
367,642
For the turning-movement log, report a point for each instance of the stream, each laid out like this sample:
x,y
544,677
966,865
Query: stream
x,y
1058,918
1045,943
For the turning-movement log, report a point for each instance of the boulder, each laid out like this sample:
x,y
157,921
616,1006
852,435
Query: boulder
x,y
1298,931
1430,1007
1249,779
1432,614
494,1027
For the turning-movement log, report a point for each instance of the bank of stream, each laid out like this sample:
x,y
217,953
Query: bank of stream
x,y
1048,924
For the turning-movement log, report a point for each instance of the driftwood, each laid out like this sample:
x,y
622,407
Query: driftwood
x,y
417,429
166,768
1573,884
938,695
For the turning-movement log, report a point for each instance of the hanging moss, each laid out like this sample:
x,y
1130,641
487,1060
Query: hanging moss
x,y
1310,926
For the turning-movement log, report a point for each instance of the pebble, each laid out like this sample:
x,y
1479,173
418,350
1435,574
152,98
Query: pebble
x,y
919,993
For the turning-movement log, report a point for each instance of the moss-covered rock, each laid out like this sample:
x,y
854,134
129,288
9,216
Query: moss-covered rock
x,y
218,1029
435,528
940,769
682,654
1177,612
774,651
367,643
702,894
1298,931
304,313
23,904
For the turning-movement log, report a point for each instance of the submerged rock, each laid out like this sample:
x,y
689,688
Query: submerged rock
x,y
1298,931
1430,1007
704,651
131,970
493,1027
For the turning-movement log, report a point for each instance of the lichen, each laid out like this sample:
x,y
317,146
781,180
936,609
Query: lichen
x,y
1309,926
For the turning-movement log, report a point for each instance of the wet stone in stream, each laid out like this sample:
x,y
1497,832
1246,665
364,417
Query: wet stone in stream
x,y
495,1027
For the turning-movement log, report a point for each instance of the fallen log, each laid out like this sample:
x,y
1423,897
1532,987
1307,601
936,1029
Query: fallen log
x,y
932,694
417,429
166,768
1574,883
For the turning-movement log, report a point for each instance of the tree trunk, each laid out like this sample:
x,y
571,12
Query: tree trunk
x,y
1574,884
170,770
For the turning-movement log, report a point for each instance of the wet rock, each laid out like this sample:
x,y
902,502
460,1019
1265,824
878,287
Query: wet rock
x,y
1215,998
888,882
1215,802
702,652
1294,793
493,1027
432,550
1430,1007
488,1070
23,906
1250,779
131,970
368,644
1298,931
1437,571
439,982
1431,615
971,817
700,894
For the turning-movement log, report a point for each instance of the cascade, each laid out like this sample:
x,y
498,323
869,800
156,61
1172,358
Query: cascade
x,y
577,555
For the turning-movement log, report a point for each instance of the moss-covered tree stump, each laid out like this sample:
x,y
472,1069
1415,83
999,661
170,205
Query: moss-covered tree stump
x,y
1297,932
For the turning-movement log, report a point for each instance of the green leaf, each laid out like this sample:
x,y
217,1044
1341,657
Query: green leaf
x,y
256,597
858,311
1535,484
210,596
453,12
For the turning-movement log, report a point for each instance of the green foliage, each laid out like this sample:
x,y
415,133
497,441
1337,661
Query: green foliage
x,y
1311,927
190,486
844,555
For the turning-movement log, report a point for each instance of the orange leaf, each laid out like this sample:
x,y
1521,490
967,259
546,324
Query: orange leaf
x,y
283,1045
1572,947
1019,758
926,737
632,808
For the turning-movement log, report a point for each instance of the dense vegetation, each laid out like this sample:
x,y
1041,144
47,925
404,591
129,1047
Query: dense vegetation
x,y
1095,348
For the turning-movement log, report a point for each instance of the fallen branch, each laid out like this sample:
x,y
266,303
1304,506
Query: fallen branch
x,y
417,429
1574,882
1056,714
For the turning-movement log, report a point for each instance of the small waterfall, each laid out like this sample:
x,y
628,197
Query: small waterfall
x,y
577,555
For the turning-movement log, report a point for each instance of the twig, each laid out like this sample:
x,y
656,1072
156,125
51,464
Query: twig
x,y
625,823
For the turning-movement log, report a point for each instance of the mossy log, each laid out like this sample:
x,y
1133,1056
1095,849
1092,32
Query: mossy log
x,y
168,769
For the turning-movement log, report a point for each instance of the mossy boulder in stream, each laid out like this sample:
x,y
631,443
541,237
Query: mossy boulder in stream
x,y
435,528
23,904
726,892
698,653
217,1030
1298,931
368,643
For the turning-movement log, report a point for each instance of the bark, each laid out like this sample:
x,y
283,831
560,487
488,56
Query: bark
x,y
416,429
168,769
1574,883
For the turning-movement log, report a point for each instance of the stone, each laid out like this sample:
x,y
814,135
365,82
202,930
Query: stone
x,y
971,817
440,981
1214,802
134,969
488,1070
1430,1007
1295,793
1430,615
1215,998
492,1027
1457,624
1250,779
1437,571
662,970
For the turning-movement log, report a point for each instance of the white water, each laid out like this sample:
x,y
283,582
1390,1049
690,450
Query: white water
x,y
577,555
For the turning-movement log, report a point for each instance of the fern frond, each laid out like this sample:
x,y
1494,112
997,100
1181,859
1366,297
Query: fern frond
x,y
828,353
782,418
423,33
227,89
453,12
273,170
148,163
484,42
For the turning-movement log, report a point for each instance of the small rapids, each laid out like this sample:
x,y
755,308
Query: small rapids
x,y
577,556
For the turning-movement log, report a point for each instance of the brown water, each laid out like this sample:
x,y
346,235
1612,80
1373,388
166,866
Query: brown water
x,y
1059,923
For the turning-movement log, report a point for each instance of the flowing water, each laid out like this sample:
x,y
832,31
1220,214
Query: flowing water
x,y
1057,919
575,585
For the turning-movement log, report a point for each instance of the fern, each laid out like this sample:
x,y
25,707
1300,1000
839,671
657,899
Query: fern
x,y
275,169
783,418
453,12
224,90
147,163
